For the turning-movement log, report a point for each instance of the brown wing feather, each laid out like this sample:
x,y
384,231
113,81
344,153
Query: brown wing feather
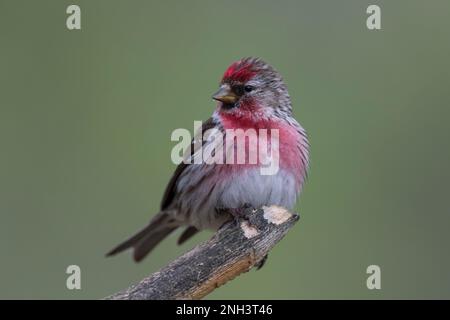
x,y
170,191
160,226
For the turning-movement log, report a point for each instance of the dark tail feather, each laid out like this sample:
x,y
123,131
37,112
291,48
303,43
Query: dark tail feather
x,y
146,239
187,233
143,247
129,243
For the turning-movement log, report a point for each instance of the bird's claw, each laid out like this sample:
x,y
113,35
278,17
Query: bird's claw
x,y
262,262
238,214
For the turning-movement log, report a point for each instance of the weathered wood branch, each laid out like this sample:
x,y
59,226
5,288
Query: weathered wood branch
x,y
235,248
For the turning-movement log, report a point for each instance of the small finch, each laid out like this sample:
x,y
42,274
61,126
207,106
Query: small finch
x,y
252,95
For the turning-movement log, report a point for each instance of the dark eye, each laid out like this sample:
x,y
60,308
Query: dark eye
x,y
248,88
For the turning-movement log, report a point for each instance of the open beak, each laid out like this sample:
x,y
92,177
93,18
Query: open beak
x,y
225,95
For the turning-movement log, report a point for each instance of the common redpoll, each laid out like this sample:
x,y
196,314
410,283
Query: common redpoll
x,y
252,95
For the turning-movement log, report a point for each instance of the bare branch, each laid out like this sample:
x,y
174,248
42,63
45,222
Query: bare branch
x,y
235,248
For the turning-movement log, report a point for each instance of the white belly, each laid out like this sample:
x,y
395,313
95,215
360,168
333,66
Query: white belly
x,y
234,190
259,190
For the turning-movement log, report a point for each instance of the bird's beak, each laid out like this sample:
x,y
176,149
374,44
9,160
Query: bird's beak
x,y
225,95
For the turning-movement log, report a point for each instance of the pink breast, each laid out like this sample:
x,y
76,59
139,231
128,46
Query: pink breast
x,y
292,145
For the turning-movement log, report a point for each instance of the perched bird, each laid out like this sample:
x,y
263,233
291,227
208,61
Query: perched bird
x,y
252,95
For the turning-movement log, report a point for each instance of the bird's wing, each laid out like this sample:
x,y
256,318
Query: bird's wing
x,y
170,192
160,226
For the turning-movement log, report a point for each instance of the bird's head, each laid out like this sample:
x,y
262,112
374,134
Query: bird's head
x,y
252,87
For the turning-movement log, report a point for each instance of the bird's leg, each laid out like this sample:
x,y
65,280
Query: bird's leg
x,y
238,214
235,213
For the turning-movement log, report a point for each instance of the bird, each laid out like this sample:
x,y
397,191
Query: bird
x,y
251,95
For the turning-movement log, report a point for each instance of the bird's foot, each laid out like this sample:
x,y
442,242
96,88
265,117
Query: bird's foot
x,y
239,214
261,263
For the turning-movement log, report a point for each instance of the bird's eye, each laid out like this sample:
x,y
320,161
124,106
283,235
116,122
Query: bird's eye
x,y
248,88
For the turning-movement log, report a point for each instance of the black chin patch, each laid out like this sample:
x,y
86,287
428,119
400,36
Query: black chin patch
x,y
228,106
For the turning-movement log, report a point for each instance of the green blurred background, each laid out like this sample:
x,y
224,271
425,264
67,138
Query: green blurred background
x,y
86,118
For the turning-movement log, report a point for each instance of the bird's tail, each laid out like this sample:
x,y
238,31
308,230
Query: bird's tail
x,y
146,239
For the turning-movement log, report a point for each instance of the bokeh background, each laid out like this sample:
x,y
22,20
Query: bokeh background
x,y
86,118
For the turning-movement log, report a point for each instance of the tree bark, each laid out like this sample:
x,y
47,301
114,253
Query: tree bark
x,y
235,248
